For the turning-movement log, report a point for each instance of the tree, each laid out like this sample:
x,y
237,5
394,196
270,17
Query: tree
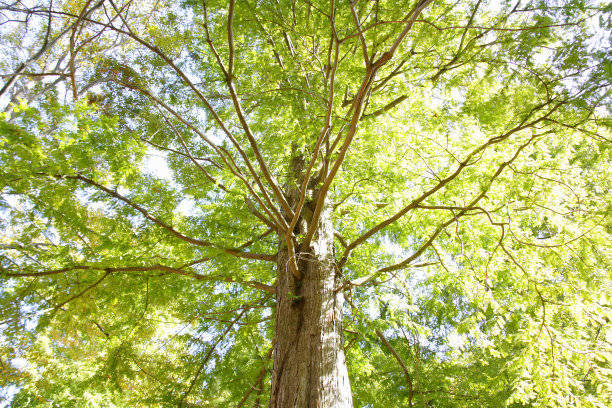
x,y
412,195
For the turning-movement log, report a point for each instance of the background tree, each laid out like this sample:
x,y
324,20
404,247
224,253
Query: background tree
x,y
247,203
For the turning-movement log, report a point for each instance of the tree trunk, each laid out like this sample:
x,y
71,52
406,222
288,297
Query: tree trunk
x,y
309,363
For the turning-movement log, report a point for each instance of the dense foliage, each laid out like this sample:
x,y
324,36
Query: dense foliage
x,y
465,149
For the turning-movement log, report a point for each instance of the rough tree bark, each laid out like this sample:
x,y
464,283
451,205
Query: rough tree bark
x,y
309,362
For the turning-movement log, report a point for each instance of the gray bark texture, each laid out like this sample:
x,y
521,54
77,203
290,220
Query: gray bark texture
x,y
309,363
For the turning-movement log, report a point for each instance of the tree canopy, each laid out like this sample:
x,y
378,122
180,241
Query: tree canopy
x,y
156,156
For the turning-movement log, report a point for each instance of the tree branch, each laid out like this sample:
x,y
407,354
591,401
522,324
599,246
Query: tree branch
x,y
356,108
207,357
81,293
156,267
47,44
158,222
242,119
401,364
465,163
461,213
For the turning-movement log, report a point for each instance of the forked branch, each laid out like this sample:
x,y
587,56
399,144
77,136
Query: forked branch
x,y
356,109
